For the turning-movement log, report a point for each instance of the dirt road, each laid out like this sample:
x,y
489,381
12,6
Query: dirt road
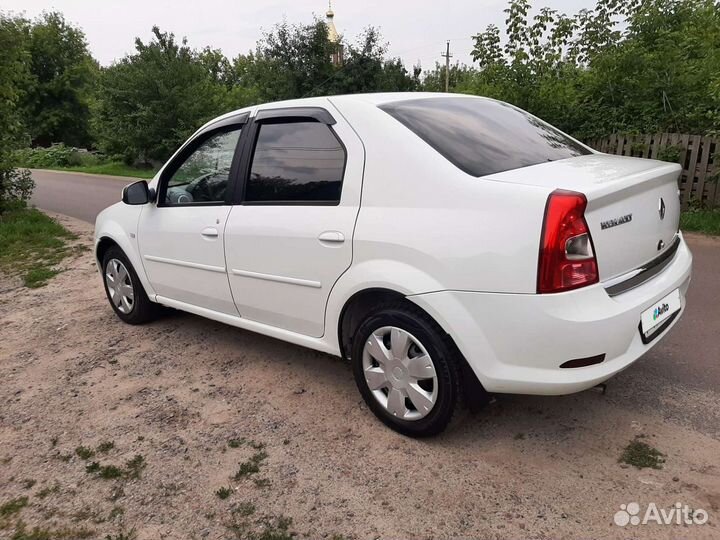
x,y
207,406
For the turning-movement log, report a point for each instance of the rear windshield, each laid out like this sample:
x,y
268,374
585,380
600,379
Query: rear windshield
x,y
481,136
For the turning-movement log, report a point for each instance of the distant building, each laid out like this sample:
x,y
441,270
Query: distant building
x,y
336,56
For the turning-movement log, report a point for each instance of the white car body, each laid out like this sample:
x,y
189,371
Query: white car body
x,y
463,249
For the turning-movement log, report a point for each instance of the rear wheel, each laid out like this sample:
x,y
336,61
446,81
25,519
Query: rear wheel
x,y
405,369
124,290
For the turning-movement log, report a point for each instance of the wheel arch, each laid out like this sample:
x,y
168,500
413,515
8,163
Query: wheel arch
x,y
112,234
361,303
103,244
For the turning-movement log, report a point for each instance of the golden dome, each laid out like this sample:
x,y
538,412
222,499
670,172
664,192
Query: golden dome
x,y
333,35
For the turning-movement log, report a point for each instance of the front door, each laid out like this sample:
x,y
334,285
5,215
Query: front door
x,y
181,236
290,239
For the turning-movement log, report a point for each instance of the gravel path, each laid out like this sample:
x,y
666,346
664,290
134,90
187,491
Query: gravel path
x,y
208,406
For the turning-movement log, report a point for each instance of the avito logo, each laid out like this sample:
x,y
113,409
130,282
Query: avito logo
x,y
660,310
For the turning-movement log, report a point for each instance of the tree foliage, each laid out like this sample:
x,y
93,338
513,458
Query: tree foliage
x,y
624,65
14,185
55,104
150,101
632,65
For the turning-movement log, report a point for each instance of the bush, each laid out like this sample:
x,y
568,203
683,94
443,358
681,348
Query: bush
x,y
57,155
16,186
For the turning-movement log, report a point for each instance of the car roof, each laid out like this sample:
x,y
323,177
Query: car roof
x,y
370,99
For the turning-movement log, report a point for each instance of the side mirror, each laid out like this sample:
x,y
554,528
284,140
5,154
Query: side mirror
x,y
137,193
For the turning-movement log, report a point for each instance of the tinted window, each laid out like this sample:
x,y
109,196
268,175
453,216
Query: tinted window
x,y
483,136
204,175
298,161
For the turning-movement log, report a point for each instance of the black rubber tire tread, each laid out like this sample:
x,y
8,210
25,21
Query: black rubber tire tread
x,y
403,314
143,309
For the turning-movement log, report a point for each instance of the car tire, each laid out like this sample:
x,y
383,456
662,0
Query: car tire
x,y
131,304
408,393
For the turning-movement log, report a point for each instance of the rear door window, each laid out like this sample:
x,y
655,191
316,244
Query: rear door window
x,y
482,136
296,162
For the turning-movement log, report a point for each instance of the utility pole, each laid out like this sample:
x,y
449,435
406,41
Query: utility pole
x,y
447,57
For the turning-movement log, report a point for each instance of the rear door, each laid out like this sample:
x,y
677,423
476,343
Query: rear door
x,y
290,237
181,235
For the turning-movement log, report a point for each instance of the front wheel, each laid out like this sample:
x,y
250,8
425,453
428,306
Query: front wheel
x,y
124,290
406,370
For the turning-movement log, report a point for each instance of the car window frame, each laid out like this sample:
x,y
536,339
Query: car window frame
x,y
226,125
288,115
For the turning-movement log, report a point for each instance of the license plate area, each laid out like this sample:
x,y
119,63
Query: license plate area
x,y
659,316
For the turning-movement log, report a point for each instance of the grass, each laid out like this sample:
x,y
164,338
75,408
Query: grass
x,y
38,533
223,493
133,469
105,447
251,466
130,535
265,528
641,455
13,506
135,466
32,244
235,443
113,168
106,472
703,221
44,492
84,452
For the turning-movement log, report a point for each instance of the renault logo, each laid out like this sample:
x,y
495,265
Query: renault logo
x,y
661,208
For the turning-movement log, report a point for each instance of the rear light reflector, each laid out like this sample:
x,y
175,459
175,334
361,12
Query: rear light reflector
x,y
583,362
567,258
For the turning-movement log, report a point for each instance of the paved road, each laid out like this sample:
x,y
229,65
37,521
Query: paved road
x,y
78,195
690,355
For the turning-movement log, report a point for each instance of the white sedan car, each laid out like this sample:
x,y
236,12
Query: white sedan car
x,y
448,246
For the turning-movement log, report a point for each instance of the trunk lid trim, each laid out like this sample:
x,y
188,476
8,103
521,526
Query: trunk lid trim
x,y
638,276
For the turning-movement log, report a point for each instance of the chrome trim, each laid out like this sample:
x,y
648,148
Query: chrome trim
x,y
185,264
643,273
279,279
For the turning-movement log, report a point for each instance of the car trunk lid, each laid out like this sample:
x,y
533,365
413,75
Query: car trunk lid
x,y
633,208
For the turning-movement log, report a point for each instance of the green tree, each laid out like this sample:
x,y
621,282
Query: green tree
x,y
149,102
366,68
623,66
55,104
15,185
292,61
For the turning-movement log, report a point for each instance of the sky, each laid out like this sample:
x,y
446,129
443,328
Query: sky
x,y
417,30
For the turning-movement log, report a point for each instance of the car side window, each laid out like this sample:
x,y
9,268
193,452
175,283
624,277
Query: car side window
x,y
296,162
203,176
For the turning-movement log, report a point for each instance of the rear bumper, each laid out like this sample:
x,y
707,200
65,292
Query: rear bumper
x,y
515,343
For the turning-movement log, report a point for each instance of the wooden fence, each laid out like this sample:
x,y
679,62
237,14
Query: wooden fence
x,y
699,157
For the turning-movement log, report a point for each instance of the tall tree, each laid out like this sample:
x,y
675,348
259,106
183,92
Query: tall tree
x,y
151,101
14,76
292,61
591,75
55,104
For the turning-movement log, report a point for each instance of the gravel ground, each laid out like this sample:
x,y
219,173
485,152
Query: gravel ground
x,y
208,406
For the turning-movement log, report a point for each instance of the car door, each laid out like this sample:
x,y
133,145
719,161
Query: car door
x,y
181,235
290,238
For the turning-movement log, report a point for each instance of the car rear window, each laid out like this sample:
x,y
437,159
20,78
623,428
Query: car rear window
x,y
482,136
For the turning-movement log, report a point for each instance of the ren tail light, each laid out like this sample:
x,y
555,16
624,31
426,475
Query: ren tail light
x,y
567,258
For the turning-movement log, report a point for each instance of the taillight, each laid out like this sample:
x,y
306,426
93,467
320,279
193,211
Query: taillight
x,y
567,259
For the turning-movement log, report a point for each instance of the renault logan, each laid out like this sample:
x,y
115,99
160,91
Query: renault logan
x,y
448,246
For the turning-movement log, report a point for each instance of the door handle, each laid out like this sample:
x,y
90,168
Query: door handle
x,y
335,237
210,232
